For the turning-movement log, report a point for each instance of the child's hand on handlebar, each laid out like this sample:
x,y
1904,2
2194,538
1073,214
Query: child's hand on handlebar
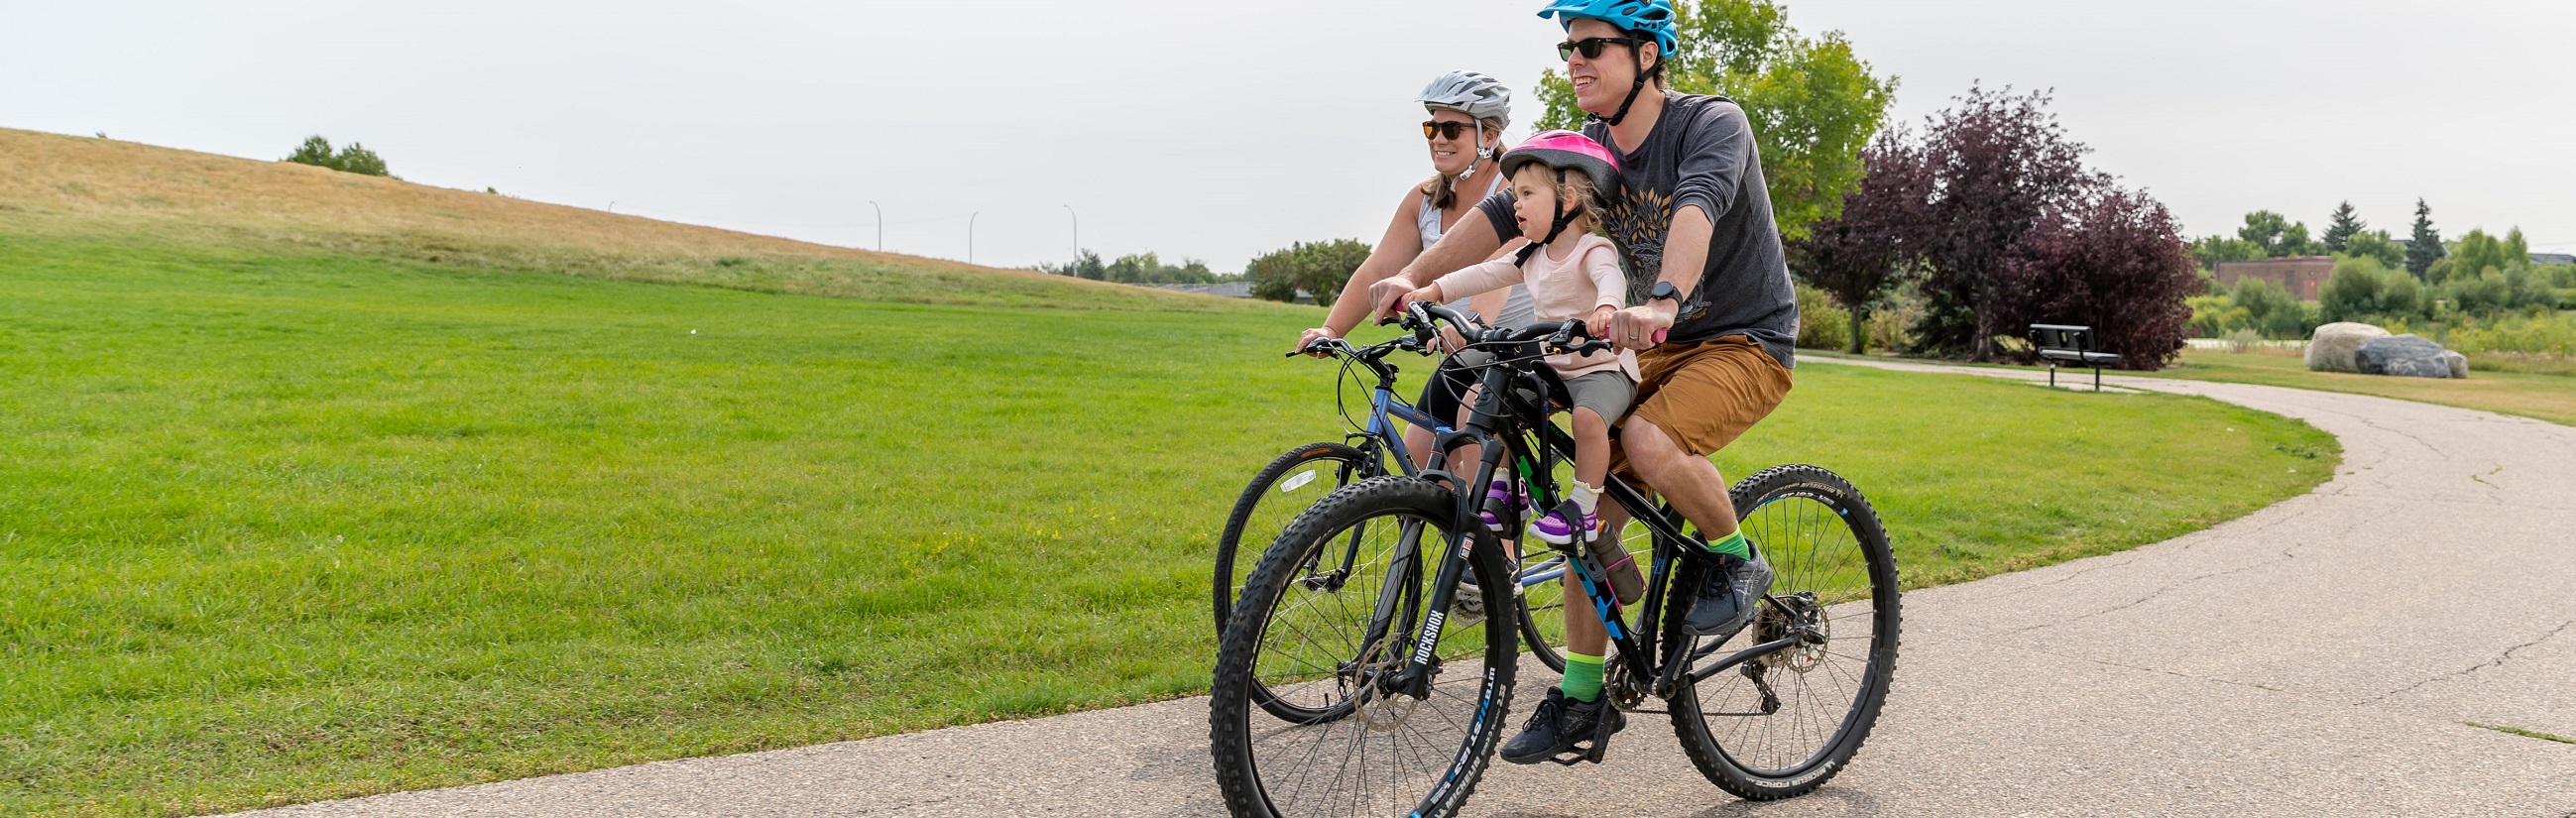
x,y
1388,296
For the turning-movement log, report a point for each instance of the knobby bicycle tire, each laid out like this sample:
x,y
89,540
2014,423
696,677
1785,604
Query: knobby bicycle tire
x,y
1387,753
1824,541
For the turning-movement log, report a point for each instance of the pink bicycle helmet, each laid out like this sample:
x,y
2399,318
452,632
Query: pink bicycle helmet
x,y
1567,150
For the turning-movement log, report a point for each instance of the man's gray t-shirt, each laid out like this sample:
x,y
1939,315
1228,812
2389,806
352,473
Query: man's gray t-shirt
x,y
1701,152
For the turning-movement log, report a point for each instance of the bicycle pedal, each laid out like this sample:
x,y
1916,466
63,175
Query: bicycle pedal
x,y
1592,749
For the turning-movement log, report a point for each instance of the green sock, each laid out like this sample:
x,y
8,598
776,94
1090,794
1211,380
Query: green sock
x,y
1732,545
1582,677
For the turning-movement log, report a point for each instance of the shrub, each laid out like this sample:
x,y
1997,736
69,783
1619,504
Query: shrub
x,y
351,158
1822,324
1320,268
2537,342
2363,289
2243,341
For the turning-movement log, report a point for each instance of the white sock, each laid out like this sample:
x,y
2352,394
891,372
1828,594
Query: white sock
x,y
1585,497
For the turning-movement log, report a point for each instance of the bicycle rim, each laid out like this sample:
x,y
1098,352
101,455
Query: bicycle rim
x,y
1286,487
1781,724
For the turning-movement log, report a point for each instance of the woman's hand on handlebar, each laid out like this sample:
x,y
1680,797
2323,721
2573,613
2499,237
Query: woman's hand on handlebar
x,y
1306,341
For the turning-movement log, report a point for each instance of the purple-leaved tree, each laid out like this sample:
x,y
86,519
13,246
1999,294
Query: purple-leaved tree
x,y
2114,261
1857,254
1999,163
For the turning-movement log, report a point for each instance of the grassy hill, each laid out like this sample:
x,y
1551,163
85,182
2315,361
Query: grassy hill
x,y
311,489
69,186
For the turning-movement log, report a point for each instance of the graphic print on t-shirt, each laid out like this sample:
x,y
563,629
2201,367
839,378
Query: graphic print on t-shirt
x,y
1637,220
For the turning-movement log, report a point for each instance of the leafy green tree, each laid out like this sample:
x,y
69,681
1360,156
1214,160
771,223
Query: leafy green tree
x,y
1320,268
2212,250
315,151
355,158
2263,228
2276,234
2515,248
1085,264
2376,244
2477,253
2341,227
352,158
2424,246
1813,103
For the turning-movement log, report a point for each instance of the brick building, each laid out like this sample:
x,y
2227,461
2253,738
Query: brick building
x,y
2303,276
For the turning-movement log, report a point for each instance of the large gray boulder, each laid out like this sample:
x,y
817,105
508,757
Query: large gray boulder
x,y
2405,355
2459,364
2335,346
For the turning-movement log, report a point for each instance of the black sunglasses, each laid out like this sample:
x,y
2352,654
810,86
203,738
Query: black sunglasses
x,y
1450,130
1591,46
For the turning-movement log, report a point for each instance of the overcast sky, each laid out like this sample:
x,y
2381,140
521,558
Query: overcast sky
x,y
1221,130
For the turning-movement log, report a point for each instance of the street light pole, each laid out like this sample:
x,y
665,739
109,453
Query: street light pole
x,y
1077,232
970,236
880,224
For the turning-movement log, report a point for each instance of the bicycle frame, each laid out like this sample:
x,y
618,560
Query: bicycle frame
x,y
1509,427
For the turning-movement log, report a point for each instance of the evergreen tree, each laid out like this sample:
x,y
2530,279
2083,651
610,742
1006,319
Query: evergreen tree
x,y
2425,246
2340,231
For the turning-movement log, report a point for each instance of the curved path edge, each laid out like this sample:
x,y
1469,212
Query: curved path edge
x,y
2322,656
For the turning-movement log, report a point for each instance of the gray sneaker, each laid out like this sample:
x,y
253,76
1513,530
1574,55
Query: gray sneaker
x,y
1729,599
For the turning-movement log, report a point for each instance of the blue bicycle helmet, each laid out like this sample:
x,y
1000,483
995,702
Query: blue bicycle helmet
x,y
1651,18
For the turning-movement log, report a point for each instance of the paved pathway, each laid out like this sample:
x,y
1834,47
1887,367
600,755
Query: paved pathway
x,y
2318,657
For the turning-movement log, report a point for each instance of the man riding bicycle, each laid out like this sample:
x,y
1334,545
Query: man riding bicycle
x,y
1712,315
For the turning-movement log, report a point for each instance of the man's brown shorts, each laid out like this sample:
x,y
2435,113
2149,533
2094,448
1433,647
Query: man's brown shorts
x,y
1706,394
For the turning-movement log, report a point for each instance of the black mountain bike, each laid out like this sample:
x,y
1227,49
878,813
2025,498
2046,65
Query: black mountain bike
x,y
1405,703
1298,478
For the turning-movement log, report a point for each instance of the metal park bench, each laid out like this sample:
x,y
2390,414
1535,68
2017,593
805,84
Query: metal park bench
x,y
2072,345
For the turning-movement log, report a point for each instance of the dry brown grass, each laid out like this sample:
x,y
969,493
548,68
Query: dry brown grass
x,y
57,185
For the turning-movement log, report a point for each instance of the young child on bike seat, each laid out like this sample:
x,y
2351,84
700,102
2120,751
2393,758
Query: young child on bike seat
x,y
1559,178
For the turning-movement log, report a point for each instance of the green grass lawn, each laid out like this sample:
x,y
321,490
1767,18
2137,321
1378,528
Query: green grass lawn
x,y
2544,396
280,525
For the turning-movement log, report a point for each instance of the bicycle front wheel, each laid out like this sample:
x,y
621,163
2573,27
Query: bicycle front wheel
x,y
1286,487
1780,725
1333,642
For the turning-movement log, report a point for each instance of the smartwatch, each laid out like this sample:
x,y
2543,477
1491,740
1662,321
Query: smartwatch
x,y
1664,290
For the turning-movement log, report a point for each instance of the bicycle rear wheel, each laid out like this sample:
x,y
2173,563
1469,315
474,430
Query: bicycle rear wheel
x,y
1284,488
1780,725
1320,639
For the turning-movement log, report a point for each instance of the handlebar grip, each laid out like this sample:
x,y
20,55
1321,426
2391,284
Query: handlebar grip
x,y
1659,336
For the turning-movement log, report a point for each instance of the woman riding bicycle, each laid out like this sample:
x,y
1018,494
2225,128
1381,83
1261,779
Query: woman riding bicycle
x,y
1468,114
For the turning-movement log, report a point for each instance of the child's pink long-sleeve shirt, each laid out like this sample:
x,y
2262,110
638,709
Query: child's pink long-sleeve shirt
x,y
1560,290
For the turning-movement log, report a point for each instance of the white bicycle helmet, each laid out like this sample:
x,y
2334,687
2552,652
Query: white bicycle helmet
x,y
1470,93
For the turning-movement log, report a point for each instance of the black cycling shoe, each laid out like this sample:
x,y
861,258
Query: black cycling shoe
x,y
1562,724
1729,599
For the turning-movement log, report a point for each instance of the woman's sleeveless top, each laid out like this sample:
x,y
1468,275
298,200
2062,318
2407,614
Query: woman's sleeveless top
x,y
1517,310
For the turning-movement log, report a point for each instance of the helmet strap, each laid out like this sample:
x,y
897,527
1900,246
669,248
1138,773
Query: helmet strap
x,y
1637,53
1564,217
